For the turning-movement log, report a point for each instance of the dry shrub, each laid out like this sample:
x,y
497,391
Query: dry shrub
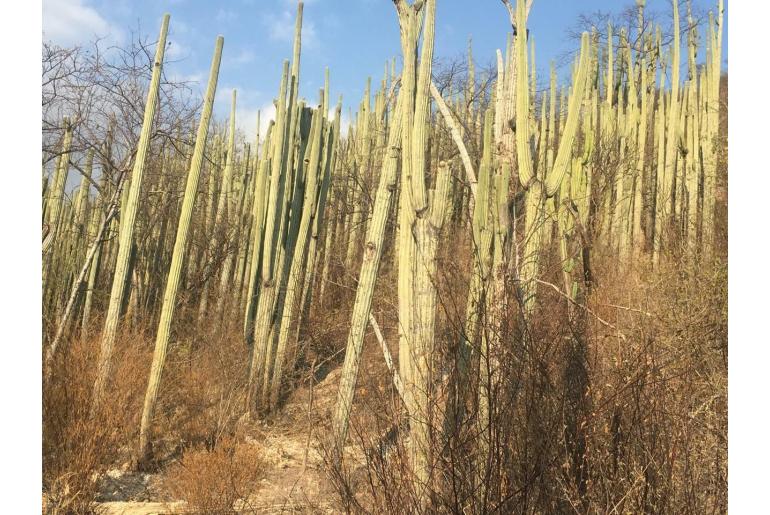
x,y
622,409
76,447
200,400
211,481
202,393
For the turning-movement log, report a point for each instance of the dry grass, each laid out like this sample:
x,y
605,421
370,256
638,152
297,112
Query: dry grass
x,y
201,400
210,481
76,447
624,413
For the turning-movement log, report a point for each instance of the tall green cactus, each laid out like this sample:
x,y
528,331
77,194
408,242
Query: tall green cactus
x,y
330,156
482,232
56,198
666,175
79,280
281,189
295,279
410,18
546,184
127,218
288,237
178,258
362,159
712,115
97,216
629,125
367,279
54,208
419,220
427,229
280,192
257,329
224,212
641,149
251,221
258,222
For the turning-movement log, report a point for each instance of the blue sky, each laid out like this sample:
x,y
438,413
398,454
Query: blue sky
x,y
353,37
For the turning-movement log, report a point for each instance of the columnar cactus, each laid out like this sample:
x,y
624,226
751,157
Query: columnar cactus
x,y
250,220
97,215
261,330
628,120
257,245
54,208
243,225
178,258
692,155
416,246
127,218
331,140
660,139
641,149
409,20
79,280
712,116
666,174
257,329
222,234
362,158
295,278
367,279
545,184
81,202
287,243
482,232
56,197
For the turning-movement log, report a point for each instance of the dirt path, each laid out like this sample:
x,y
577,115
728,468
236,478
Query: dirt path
x,y
295,479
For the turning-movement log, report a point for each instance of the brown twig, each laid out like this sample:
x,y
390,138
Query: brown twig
x,y
583,306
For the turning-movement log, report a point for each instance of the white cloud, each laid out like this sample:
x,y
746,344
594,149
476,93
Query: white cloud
x,y
179,26
225,15
70,22
281,28
248,103
246,120
176,50
244,56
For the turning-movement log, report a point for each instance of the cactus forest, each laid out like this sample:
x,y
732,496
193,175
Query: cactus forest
x,y
494,290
